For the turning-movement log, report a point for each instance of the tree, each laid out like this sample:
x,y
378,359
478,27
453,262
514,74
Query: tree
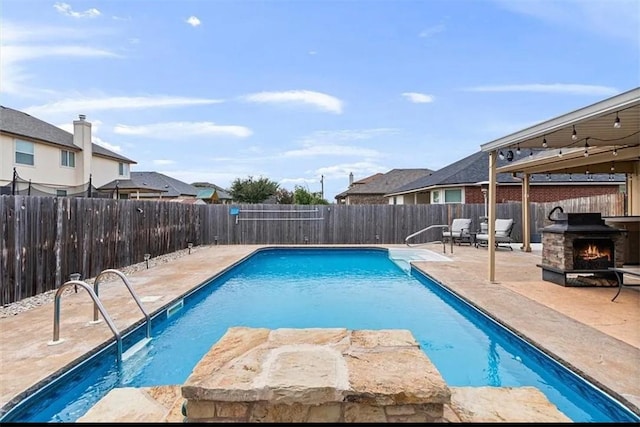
x,y
302,196
284,197
252,190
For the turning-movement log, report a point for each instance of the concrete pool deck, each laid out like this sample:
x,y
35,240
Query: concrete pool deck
x,y
581,326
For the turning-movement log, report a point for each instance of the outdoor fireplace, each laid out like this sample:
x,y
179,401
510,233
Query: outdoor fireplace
x,y
580,244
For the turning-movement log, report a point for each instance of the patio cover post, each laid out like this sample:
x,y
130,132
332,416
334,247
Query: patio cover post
x,y
491,246
526,214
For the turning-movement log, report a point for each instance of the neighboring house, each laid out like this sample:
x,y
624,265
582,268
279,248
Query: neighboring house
x,y
212,194
371,190
165,187
54,161
465,180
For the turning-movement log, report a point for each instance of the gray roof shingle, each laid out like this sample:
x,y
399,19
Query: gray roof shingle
x,y
173,187
387,182
475,168
22,124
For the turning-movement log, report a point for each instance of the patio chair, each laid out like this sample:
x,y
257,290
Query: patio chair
x,y
458,231
502,234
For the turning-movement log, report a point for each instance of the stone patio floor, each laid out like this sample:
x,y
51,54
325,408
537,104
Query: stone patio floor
x,y
579,326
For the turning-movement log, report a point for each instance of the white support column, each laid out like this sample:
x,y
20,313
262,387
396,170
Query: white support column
x,y
492,216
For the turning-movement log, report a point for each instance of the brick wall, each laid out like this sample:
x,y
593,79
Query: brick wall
x,y
541,193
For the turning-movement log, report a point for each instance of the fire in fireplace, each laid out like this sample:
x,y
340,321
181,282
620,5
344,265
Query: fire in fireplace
x,y
579,244
592,254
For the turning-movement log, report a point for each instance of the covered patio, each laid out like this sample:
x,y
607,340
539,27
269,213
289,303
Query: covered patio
x,y
601,138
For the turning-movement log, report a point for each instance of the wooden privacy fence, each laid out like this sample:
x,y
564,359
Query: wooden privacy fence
x,y
45,239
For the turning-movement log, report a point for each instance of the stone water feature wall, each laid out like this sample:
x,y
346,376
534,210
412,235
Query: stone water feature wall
x,y
315,375
320,375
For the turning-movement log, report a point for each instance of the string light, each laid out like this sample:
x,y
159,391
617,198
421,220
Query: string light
x,y
570,177
530,153
544,142
518,149
615,152
574,134
616,122
501,155
560,153
586,147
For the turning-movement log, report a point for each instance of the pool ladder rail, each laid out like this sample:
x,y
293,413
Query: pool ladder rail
x,y
97,307
444,227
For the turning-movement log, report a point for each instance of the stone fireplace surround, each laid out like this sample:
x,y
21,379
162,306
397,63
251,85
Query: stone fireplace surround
x,y
559,246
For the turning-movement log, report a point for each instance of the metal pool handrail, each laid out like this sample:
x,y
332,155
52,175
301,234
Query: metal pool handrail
x,y
133,294
97,303
444,246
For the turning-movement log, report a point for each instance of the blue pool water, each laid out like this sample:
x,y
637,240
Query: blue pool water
x,y
354,289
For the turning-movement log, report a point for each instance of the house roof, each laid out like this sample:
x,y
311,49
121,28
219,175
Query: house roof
x,y
383,183
172,186
22,124
129,186
206,191
474,169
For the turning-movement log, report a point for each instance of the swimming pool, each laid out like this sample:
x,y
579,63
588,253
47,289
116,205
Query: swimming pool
x,y
300,288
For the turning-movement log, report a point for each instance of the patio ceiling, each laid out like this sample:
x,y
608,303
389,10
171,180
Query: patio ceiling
x,y
594,125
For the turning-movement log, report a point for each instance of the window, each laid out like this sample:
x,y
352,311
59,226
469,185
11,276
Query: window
x,y
123,169
68,158
61,193
435,197
24,153
453,196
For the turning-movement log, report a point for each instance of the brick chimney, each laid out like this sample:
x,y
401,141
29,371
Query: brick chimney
x,y
82,139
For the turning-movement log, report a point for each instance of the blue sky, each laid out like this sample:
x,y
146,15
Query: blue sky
x,y
299,90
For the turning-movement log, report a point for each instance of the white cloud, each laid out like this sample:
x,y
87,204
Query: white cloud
x,y
571,89
320,100
360,170
22,43
418,98
616,19
327,136
114,148
431,31
193,21
85,105
297,181
331,150
172,130
65,9
161,162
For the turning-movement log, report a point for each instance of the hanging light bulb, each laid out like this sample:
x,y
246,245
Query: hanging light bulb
x,y
615,152
501,155
574,134
530,153
570,177
544,142
560,153
586,147
613,166
616,122
518,149
548,176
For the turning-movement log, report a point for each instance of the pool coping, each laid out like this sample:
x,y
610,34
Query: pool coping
x,y
609,385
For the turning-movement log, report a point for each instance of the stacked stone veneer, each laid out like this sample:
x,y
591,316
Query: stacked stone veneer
x,y
315,375
557,248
